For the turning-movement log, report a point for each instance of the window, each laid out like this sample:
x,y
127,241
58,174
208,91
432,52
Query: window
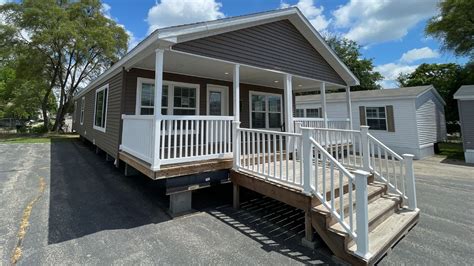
x,y
176,99
299,113
81,119
313,113
376,118
100,110
265,110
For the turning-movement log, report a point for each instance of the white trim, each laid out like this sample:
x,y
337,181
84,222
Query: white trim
x,y
224,101
103,88
170,85
267,122
81,117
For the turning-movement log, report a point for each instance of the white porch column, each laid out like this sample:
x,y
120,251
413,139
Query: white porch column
x,y
288,93
157,109
323,104
349,106
236,89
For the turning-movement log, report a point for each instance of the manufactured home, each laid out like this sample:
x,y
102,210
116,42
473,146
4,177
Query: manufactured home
x,y
408,120
465,98
213,102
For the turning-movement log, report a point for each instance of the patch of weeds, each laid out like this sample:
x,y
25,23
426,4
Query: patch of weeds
x,y
451,150
36,138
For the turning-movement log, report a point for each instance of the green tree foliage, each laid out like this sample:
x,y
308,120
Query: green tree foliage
x,y
72,41
446,78
363,68
454,26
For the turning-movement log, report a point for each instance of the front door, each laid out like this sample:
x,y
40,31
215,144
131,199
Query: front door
x,y
217,100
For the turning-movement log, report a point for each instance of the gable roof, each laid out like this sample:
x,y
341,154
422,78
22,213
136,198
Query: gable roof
x,y
383,94
176,34
465,92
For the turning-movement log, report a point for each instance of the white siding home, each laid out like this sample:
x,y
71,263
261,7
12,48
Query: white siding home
x,y
408,120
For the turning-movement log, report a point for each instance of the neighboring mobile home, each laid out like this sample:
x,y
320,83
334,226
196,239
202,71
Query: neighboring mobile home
x,y
408,120
465,97
212,102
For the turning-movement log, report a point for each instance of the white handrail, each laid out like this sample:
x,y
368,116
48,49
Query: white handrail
x,y
385,147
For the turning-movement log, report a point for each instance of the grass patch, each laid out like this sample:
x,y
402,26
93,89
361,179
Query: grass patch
x,y
451,150
35,138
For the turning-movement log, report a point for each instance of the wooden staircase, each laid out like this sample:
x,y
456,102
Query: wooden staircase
x,y
388,223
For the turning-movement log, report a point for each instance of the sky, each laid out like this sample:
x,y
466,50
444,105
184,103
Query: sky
x,y
391,32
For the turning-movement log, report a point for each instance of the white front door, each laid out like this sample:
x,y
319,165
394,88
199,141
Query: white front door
x,y
217,100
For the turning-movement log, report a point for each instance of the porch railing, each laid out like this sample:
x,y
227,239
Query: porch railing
x,y
333,123
182,138
195,138
274,156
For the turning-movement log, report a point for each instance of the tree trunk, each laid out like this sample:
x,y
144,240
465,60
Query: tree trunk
x,y
44,109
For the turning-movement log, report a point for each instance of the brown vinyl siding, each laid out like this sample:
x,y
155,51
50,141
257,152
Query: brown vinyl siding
x,y
131,90
108,140
276,45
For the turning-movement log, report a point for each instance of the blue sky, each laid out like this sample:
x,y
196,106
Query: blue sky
x,y
390,31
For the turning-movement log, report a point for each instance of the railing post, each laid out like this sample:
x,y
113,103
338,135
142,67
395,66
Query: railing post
x,y
364,131
159,54
410,181
307,159
362,213
298,140
236,144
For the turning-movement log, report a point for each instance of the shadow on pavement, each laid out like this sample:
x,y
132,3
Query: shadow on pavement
x,y
88,194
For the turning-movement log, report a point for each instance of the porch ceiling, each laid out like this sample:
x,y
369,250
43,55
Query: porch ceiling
x,y
180,63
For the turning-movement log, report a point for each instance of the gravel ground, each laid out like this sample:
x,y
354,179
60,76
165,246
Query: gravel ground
x,y
89,213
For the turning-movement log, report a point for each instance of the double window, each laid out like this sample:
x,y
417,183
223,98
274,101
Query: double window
x,y
177,98
376,118
310,112
100,109
265,110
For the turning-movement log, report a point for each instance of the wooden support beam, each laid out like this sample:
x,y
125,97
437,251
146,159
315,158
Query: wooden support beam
x,y
236,196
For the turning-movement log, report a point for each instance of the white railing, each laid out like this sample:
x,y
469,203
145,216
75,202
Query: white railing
x,y
195,138
334,123
343,144
392,169
269,154
137,136
182,138
274,156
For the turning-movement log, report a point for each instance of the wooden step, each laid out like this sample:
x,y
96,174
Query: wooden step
x,y
379,210
384,236
374,191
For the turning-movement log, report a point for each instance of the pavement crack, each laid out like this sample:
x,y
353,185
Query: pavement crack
x,y
24,224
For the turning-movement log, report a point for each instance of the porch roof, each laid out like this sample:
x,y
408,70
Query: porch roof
x,y
165,37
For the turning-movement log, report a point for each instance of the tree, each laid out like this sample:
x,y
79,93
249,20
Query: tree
x,y
454,26
73,40
363,68
446,78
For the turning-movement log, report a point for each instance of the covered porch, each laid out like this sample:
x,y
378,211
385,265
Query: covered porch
x,y
190,118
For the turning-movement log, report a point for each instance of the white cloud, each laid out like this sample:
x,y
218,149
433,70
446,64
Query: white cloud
x,y
418,54
171,12
312,12
375,21
391,71
132,40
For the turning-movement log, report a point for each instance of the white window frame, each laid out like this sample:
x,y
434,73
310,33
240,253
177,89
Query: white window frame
x,y
225,98
317,110
81,118
103,88
296,112
171,85
267,111
386,120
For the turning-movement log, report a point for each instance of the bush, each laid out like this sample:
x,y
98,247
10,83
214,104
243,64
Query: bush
x,y
39,130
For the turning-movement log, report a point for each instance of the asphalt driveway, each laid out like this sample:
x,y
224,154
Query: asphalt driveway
x,y
79,209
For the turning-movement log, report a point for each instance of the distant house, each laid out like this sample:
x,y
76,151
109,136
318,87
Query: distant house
x,y
465,97
408,120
